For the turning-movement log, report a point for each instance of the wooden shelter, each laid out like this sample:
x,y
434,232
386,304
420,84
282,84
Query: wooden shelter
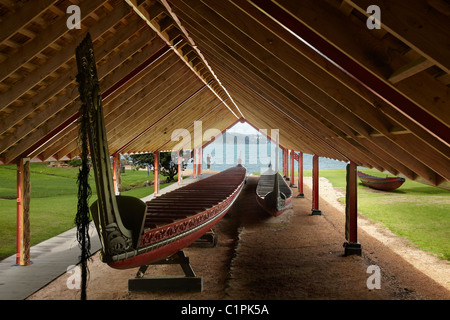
x,y
332,84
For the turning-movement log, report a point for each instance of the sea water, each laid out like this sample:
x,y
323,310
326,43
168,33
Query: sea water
x,y
256,157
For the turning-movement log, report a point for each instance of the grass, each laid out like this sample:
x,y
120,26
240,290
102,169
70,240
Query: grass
x,y
53,201
415,211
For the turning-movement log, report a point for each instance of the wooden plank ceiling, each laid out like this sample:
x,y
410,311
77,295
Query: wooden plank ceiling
x,y
311,69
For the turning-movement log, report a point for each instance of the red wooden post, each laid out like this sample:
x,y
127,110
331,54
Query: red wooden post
x,y
300,175
288,152
156,184
292,169
23,213
286,163
194,166
180,169
199,161
352,246
19,215
315,193
116,173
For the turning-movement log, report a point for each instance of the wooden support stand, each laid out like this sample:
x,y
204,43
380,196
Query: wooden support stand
x,y
190,282
208,240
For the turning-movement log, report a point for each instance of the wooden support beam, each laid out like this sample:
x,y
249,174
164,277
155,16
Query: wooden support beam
x,y
286,163
180,168
315,191
68,115
292,168
292,18
300,175
116,173
44,39
410,69
168,113
169,39
15,22
352,246
156,184
427,33
199,160
23,212
194,163
63,81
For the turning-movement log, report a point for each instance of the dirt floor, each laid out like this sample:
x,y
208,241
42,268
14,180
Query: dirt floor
x,y
293,256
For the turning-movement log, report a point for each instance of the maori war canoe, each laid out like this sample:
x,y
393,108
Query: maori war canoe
x,y
273,194
134,233
379,183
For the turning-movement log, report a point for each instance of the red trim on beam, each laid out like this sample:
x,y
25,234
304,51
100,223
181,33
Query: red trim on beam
x,y
356,71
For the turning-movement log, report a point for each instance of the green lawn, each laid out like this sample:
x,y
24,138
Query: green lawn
x,y
415,211
418,212
53,201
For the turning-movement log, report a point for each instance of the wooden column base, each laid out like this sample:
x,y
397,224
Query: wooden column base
x,y
352,248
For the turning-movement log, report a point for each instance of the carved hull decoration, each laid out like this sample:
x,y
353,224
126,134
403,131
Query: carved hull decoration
x,y
132,232
273,193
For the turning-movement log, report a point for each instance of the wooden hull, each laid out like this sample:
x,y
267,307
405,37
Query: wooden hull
x,y
274,213
265,186
385,184
176,219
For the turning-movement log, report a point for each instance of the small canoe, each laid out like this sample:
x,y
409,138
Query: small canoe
x,y
379,183
273,193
